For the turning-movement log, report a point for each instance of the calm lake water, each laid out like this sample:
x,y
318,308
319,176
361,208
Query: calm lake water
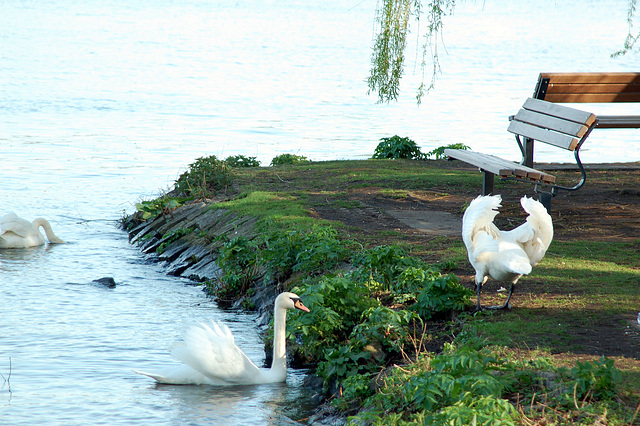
x,y
104,103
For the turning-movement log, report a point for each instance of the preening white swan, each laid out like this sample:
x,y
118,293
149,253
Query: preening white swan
x,y
16,232
504,255
211,357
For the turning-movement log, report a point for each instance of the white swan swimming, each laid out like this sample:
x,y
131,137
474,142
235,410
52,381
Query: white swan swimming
x,y
504,255
16,232
211,357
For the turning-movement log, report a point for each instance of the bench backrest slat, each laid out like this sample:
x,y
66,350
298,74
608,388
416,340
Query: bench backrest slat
x,y
544,135
589,87
554,124
557,124
561,111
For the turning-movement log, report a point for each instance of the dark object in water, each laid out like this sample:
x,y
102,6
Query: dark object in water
x,y
106,281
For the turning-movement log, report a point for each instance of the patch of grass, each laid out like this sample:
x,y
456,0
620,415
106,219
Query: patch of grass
x,y
394,193
340,175
271,207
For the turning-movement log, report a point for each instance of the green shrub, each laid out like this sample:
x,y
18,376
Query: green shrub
x,y
240,161
384,264
441,295
396,147
205,177
160,206
458,387
337,304
439,152
283,159
598,378
312,251
238,261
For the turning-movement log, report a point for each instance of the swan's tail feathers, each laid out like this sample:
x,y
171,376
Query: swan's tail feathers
x,y
540,222
157,377
519,266
478,218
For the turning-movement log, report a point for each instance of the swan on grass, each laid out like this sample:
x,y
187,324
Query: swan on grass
x,y
504,255
16,232
211,357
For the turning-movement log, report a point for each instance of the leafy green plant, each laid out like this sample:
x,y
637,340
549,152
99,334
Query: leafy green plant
x,y
378,338
160,206
383,264
438,153
312,251
441,295
283,159
241,161
458,387
396,147
205,177
337,304
238,261
598,378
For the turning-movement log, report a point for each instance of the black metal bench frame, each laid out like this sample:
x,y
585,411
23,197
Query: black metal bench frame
x,y
543,121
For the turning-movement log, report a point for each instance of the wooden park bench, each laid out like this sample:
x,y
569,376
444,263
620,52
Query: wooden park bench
x,y
589,87
542,121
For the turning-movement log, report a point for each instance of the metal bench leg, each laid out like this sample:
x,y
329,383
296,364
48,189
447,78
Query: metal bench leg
x,y
545,200
487,183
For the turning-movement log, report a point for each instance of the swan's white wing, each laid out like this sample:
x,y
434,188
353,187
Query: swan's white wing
x,y
12,223
477,224
211,350
541,226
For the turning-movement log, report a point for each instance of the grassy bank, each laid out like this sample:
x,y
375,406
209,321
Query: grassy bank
x,y
391,330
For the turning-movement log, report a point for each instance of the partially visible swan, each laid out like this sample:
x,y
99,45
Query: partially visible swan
x,y
16,232
504,255
211,357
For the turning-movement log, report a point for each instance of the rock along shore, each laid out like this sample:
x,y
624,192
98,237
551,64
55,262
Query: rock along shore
x,y
186,243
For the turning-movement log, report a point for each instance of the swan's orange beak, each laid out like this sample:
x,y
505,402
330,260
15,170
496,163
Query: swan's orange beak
x,y
299,305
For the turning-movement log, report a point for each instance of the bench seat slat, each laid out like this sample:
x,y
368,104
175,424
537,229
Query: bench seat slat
x,y
560,111
543,135
499,166
553,123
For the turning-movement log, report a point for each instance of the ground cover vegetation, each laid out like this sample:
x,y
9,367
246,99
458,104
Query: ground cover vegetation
x,y
391,331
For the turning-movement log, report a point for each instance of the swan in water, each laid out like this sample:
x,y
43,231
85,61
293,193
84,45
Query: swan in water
x,y
16,232
211,357
504,255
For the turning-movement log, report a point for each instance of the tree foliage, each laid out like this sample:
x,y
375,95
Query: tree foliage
x,y
392,27
393,19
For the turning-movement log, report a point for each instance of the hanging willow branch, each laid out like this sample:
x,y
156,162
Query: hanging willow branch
x,y
631,39
392,28
389,48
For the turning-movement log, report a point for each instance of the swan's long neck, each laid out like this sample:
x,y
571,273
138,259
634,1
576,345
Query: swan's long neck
x,y
279,339
47,230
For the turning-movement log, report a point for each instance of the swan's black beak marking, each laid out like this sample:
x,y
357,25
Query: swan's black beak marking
x,y
297,303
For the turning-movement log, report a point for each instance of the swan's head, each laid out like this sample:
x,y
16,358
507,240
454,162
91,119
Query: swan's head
x,y
288,300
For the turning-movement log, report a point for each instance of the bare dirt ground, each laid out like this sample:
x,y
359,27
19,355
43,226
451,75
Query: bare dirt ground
x,y
607,208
